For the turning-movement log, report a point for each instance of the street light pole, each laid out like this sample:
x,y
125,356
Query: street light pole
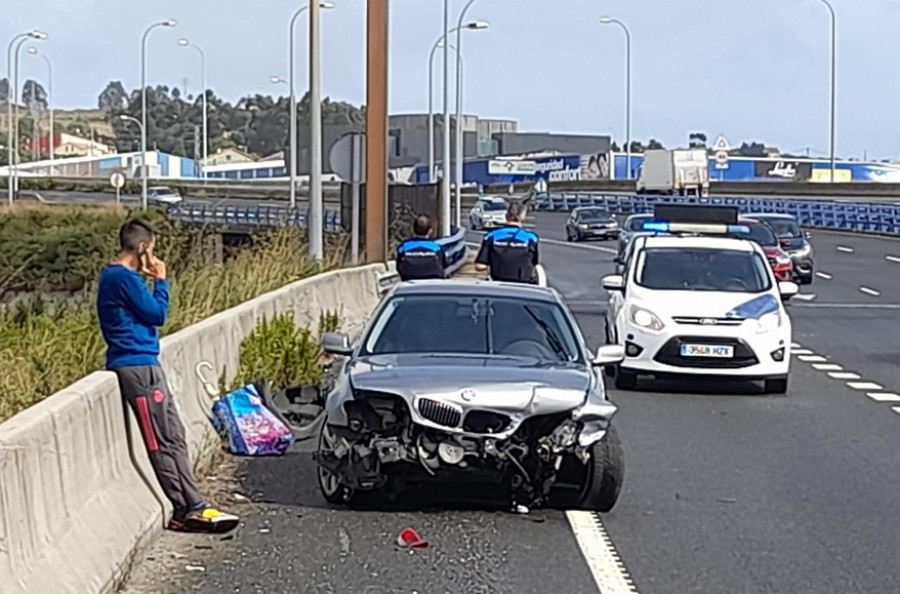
x,y
445,153
833,81
437,44
459,134
12,98
316,248
186,43
128,118
607,21
33,51
169,23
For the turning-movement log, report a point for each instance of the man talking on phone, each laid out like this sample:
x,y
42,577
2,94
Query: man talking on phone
x,y
130,315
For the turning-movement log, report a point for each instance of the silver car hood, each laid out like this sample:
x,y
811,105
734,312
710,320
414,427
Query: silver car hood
x,y
517,387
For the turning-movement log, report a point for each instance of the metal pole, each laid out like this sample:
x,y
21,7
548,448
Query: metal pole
x,y
170,23
627,96
9,124
356,162
315,136
293,109
431,112
445,155
833,81
459,134
50,102
15,163
205,112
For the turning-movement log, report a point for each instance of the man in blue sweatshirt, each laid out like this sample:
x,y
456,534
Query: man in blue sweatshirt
x,y
129,317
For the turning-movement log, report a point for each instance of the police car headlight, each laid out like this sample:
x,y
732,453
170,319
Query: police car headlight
x,y
769,322
646,319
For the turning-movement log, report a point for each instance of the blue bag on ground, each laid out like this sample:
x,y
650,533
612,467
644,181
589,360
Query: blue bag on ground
x,y
248,427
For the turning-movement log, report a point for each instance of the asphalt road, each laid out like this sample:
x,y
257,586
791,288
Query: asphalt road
x,y
727,490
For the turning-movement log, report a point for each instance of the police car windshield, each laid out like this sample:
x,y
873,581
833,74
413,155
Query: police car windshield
x,y
439,324
702,269
759,232
494,205
637,223
785,228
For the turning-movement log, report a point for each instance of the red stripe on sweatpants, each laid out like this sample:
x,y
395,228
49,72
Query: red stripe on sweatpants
x,y
146,424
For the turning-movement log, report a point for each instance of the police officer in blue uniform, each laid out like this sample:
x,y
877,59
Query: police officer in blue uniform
x,y
421,257
511,252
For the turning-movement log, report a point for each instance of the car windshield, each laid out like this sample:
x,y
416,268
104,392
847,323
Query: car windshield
x,y
594,215
494,205
440,324
759,232
702,269
637,223
784,228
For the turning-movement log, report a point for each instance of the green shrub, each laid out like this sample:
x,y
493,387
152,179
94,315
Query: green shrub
x,y
283,353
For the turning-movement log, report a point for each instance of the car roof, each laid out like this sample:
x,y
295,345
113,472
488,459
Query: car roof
x,y
770,215
703,242
160,188
476,288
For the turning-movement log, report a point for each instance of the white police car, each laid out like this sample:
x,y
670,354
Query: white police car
x,y
701,304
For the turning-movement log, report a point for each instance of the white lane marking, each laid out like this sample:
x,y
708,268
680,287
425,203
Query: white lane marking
x,y
812,358
805,296
892,259
851,305
827,367
869,291
884,397
845,249
844,375
864,386
824,275
896,409
802,352
606,566
795,345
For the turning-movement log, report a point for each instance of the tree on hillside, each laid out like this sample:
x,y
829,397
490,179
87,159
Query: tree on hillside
x,y
4,92
636,146
654,144
34,97
697,140
753,149
113,97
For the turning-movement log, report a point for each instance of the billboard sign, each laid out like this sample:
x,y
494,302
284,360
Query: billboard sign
x,y
511,167
841,176
566,168
784,170
595,166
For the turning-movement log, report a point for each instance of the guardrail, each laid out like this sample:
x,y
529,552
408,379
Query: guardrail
x,y
250,216
455,250
865,217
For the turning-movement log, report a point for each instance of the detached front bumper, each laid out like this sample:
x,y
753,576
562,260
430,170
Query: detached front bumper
x,y
753,355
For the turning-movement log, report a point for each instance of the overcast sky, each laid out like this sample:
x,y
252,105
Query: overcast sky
x,y
749,69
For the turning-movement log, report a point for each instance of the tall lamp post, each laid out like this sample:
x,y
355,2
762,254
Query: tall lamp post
x,y
12,97
34,52
459,135
611,21
293,105
187,43
445,153
169,23
833,81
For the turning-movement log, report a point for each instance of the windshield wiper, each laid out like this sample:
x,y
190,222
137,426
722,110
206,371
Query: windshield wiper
x,y
552,338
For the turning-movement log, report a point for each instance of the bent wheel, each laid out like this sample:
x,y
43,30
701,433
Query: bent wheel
x,y
606,473
330,484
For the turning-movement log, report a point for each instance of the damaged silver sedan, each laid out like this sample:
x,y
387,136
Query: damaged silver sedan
x,y
472,382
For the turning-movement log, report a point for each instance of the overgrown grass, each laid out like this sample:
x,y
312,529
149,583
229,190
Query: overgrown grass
x,y
44,348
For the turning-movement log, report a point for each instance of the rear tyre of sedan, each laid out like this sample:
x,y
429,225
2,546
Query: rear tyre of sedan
x,y
776,385
606,472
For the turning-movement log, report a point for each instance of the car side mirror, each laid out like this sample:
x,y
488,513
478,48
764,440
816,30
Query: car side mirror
x,y
609,355
614,282
788,290
807,235
337,343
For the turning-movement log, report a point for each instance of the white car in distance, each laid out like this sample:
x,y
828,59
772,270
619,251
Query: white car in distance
x,y
163,196
488,213
700,306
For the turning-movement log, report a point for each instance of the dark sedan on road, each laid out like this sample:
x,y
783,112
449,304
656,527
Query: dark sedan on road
x,y
793,241
591,222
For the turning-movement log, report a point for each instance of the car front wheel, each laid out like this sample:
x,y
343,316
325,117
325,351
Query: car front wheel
x,y
333,490
606,473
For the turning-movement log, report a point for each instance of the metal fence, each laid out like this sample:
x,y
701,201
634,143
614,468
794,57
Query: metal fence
x,y
254,217
866,217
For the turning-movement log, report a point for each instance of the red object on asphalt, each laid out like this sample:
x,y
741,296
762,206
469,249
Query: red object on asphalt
x,y
410,539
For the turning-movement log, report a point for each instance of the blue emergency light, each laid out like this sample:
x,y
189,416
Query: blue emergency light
x,y
657,226
708,228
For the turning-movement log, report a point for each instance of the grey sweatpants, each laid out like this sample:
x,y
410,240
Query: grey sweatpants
x,y
145,389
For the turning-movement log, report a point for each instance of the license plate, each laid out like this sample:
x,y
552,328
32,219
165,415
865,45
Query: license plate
x,y
707,350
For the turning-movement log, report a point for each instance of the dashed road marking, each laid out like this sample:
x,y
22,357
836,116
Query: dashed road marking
x,y
824,275
849,305
610,573
827,367
795,345
892,259
805,296
869,291
884,397
896,409
865,386
798,351
844,375
845,249
812,358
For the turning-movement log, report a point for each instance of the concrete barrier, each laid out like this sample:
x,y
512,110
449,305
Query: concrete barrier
x,y
77,495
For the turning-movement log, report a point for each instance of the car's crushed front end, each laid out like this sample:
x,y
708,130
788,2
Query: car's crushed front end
x,y
530,431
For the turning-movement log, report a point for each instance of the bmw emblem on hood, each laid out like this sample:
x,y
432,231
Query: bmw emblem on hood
x,y
467,395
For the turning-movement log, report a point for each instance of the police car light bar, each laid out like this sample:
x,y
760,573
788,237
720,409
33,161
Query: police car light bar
x,y
696,213
700,228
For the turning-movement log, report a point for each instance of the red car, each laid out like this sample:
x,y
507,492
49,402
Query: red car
x,y
763,234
